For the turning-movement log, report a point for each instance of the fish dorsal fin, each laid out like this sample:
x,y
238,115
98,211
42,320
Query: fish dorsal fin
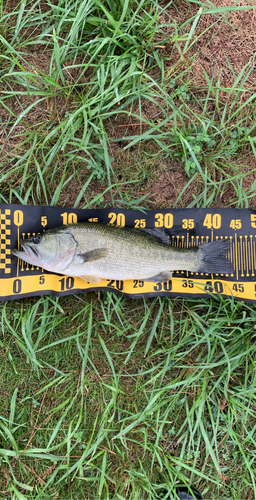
x,y
96,254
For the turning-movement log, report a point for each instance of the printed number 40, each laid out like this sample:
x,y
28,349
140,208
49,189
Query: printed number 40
x,y
212,221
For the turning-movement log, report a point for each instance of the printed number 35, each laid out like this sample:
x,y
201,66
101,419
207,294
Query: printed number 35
x,y
188,223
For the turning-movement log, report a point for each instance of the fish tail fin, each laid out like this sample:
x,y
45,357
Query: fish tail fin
x,y
215,257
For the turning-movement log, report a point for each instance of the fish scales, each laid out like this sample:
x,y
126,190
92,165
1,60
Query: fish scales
x,y
130,253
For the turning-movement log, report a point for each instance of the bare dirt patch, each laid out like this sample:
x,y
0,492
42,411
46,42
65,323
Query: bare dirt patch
x,y
227,47
167,185
226,42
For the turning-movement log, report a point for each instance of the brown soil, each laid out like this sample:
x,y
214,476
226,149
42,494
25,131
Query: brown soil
x,y
226,42
227,47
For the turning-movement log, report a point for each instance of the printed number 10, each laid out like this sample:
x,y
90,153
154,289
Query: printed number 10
x,y
69,218
67,283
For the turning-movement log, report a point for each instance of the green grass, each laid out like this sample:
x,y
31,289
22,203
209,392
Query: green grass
x,y
99,408
101,396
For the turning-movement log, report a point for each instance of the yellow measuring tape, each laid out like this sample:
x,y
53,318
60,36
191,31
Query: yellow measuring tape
x,y
179,227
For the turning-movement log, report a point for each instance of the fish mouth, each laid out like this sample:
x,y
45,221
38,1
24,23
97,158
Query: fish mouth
x,y
29,251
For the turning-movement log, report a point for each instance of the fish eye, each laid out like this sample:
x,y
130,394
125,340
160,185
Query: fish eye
x,y
37,239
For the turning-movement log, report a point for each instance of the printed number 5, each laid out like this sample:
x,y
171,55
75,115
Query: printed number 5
x,y
44,220
253,220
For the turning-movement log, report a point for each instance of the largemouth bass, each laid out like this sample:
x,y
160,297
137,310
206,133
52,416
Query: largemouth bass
x,y
95,251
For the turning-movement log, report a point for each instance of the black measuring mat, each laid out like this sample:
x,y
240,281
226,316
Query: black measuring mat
x,y
178,227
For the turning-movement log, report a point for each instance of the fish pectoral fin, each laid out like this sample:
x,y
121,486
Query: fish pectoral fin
x,y
161,277
91,279
96,254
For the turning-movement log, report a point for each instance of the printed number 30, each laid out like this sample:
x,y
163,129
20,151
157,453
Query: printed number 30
x,y
162,220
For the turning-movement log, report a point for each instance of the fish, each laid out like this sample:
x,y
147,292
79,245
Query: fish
x,y
96,251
